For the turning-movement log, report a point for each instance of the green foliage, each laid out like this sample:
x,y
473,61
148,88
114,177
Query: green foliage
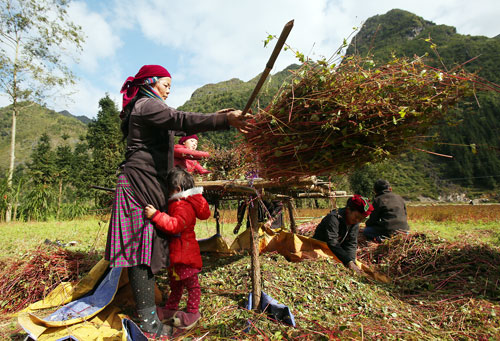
x,y
470,134
39,203
33,120
42,168
362,179
107,147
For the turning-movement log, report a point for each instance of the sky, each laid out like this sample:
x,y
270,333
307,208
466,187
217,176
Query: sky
x,y
209,41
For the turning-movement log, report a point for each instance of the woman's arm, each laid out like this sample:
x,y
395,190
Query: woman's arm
x,y
158,113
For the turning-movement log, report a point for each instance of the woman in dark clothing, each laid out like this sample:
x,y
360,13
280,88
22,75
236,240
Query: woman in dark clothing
x,y
149,126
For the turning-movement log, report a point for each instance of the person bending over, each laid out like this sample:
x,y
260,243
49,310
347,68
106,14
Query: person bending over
x,y
339,230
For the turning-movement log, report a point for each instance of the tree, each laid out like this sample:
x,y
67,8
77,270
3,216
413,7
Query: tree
x,y
105,140
42,168
362,179
63,161
33,37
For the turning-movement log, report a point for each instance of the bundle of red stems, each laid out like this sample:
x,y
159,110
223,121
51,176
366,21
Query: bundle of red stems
x,y
329,119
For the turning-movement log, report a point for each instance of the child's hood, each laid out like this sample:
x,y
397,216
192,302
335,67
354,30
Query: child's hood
x,y
195,198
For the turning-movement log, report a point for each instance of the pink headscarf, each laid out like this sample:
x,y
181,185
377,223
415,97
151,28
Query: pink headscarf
x,y
131,85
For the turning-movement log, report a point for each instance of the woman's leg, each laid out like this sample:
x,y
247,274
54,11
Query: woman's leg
x,y
142,282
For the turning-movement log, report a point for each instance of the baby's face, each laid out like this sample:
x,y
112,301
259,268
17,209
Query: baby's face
x,y
191,144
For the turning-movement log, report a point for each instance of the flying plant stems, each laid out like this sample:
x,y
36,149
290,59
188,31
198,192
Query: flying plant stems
x,y
330,118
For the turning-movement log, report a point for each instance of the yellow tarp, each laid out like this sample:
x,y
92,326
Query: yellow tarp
x,y
296,248
105,324
242,242
215,244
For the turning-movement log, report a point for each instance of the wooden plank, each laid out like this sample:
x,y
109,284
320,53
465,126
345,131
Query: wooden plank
x,y
270,63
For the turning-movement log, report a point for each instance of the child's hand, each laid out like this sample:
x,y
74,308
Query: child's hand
x,y
149,211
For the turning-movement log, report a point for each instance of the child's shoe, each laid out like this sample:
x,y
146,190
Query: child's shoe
x,y
184,320
165,315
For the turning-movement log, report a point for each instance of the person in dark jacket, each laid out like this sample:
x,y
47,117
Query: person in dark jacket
x,y
389,215
339,230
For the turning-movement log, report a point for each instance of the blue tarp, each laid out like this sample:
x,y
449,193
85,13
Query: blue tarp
x,y
275,310
91,303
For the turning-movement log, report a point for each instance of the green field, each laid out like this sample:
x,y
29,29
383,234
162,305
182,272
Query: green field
x,y
445,280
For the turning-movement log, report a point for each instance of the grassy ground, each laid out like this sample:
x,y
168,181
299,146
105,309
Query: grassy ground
x,y
443,285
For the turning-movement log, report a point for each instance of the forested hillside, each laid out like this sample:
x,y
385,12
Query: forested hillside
x,y
233,94
32,122
471,132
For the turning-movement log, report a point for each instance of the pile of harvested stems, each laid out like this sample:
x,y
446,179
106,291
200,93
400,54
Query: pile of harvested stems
x,y
225,163
31,278
455,285
329,119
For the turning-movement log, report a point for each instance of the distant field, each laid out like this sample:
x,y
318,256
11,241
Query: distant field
x,y
481,222
327,301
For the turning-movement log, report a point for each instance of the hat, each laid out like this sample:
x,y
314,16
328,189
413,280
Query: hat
x,y
360,204
131,86
185,138
381,185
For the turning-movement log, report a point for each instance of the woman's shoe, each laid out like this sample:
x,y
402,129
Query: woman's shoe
x,y
163,332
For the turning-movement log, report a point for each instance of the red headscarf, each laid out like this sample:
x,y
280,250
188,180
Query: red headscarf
x,y
185,138
131,85
361,204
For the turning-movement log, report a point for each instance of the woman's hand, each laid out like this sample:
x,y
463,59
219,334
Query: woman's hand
x,y
149,211
237,120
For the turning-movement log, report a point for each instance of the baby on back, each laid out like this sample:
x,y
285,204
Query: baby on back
x,y
186,156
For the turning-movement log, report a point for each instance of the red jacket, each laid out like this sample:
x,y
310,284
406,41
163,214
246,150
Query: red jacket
x,y
183,209
186,158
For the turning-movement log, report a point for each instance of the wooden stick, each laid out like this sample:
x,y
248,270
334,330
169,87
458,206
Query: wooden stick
x,y
254,249
103,188
293,225
277,49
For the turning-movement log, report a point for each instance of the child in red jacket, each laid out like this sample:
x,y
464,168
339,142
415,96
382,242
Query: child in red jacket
x,y
186,155
185,205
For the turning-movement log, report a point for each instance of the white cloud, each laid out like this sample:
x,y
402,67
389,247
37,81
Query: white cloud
x,y
4,100
212,41
180,94
101,41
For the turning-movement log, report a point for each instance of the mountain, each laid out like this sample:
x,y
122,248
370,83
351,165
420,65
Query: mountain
x,y
84,119
233,93
473,136
32,121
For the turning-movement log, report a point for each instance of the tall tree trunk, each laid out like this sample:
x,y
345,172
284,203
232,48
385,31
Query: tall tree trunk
x,y
8,212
